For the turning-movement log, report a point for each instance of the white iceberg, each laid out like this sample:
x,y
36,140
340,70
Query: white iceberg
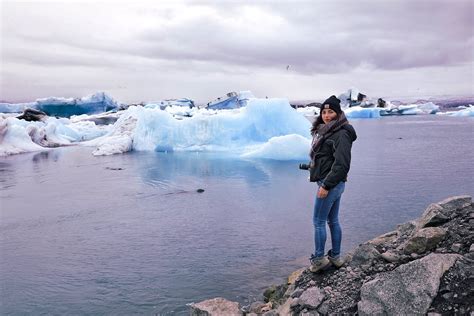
x,y
19,136
468,111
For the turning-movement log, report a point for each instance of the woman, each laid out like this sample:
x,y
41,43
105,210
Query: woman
x,y
330,162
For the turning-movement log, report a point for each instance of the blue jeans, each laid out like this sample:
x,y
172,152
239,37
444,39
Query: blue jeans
x,y
327,210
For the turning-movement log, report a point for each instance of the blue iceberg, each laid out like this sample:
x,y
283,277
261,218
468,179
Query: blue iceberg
x,y
361,112
96,103
241,132
65,107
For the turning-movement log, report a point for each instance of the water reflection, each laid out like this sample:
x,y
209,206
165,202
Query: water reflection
x,y
7,175
46,155
162,169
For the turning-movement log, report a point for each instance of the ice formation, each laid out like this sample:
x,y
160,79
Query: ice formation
x,y
19,136
229,130
65,107
288,147
468,111
360,112
262,128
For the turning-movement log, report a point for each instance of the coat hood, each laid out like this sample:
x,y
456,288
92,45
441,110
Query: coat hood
x,y
351,131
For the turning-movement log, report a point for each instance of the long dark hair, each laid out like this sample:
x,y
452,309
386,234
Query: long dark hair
x,y
317,122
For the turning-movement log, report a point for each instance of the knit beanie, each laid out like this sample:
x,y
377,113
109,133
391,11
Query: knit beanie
x,y
332,103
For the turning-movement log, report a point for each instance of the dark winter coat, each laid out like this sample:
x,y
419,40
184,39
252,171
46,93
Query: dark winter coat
x,y
332,161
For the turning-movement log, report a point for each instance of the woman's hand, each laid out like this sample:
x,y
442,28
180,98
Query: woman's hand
x,y
322,193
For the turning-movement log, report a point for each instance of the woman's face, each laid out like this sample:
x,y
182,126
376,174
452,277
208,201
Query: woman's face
x,y
328,115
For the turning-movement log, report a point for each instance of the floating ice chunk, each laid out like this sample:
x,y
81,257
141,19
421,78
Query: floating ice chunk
x,y
309,111
465,112
15,138
427,108
288,147
360,112
226,130
119,139
19,136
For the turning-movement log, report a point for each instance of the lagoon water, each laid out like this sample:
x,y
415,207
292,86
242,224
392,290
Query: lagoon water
x,y
129,234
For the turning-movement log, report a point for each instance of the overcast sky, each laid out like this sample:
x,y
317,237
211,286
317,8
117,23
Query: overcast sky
x,y
151,50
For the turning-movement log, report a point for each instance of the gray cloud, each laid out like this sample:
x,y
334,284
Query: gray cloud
x,y
201,38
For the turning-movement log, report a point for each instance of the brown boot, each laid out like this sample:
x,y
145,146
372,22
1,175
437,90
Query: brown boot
x,y
319,264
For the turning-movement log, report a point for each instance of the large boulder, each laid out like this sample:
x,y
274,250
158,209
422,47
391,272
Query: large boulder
x,y
423,240
432,216
311,298
455,203
215,307
407,290
364,255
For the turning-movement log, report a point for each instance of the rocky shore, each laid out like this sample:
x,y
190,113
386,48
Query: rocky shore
x,y
424,266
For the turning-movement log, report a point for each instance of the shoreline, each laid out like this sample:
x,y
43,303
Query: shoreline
x,y
423,266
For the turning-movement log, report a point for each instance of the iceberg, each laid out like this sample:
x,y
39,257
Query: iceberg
x,y
231,100
16,107
65,107
469,111
361,112
170,102
230,131
265,128
19,136
96,103
288,147
119,138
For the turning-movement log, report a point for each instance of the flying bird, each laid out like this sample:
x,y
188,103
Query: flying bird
x,y
287,67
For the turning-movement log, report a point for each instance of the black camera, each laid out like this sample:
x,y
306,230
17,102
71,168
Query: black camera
x,y
304,166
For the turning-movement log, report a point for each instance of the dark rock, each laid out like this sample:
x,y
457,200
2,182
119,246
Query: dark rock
x,y
32,115
423,240
363,255
456,247
113,168
297,293
455,203
432,216
272,312
406,228
275,293
200,190
409,289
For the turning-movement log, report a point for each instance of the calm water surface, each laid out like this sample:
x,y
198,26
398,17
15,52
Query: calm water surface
x,y
129,234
